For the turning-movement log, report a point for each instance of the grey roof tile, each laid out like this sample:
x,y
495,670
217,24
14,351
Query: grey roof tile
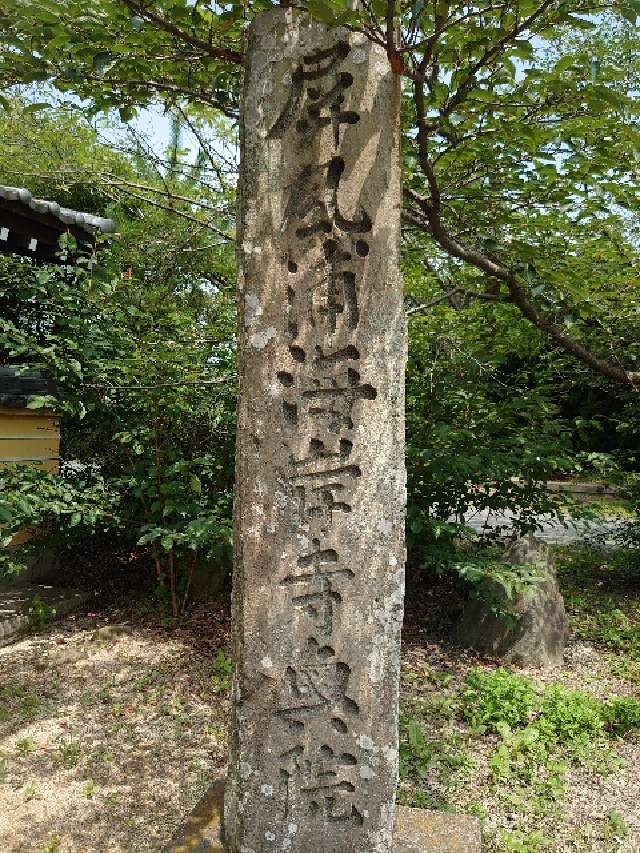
x,y
86,221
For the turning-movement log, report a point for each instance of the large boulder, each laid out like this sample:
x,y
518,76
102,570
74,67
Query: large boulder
x,y
528,630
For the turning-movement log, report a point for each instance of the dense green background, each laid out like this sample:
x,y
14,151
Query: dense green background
x,y
520,260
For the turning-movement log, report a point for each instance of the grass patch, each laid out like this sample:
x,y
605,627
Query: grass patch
x,y
431,756
602,596
52,846
517,841
25,746
221,673
531,737
495,697
616,826
16,699
69,752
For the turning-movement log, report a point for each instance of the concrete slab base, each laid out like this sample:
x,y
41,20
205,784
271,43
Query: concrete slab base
x,y
426,831
417,830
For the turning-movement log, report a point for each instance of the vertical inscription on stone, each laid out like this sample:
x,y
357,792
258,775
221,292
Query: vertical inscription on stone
x,y
318,578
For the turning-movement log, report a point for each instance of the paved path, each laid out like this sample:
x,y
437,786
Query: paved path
x,y
605,530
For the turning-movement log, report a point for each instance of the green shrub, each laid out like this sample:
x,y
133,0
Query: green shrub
x,y
40,613
614,629
498,697
519,754
570,718
622,715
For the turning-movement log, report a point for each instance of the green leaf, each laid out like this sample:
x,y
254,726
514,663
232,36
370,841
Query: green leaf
x,y
127,113
581,23
103,61
609,96
630,12
6,514
416,9
523,49
414,734
321,10
564,63
36,108
44,401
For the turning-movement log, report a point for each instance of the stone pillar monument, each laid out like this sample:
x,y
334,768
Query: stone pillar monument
x,y
319,515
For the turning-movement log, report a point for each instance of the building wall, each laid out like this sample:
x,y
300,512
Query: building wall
x,y
28,436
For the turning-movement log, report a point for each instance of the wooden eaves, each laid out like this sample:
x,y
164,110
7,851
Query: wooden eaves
x,y
32,227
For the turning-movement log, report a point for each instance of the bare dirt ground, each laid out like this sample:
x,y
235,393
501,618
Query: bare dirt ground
x,y
112,727
108,735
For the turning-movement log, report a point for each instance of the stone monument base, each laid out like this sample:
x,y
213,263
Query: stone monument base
x,y
417,830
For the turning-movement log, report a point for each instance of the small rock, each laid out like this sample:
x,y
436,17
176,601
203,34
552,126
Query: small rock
x,y
111,633
535,632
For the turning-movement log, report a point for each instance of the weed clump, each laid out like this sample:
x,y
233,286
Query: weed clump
x,y
496,697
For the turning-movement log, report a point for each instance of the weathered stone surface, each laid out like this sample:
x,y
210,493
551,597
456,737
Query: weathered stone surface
x,y
202,833
319,514
416,830
536,632
425,831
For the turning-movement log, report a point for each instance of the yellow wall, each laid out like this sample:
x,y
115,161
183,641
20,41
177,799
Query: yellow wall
x,y
28,436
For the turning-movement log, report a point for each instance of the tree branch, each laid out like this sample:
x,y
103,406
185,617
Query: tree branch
x,y
226,237
220,381
195,94
193,127
489,54
518,295
221,53
449,294
424,306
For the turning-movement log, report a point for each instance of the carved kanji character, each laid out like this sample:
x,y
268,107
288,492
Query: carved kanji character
x,y
313,196
323,776
307,116
316,686
331,399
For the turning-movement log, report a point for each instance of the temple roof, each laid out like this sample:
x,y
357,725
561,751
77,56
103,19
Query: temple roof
x,y
32,226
